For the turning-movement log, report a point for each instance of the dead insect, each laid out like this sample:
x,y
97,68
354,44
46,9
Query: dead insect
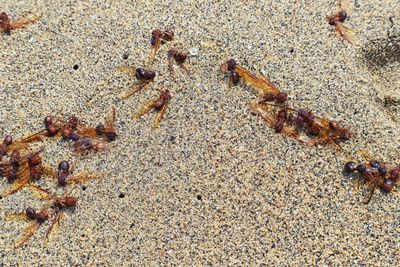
x,y
337,20
263,86
10,145
29,215
66,178
159,104
156,36
375,174
58,204
56,126
28,169
179,58
107,130
290,122
144,77
86,144
7,25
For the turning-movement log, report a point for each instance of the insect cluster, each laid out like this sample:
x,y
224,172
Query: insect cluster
x,y
273,107
146,77
375,174
24,166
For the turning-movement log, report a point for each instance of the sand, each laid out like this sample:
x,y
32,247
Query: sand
x,y
214,185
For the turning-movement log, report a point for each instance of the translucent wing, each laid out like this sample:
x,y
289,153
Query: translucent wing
x,y
326,135
145,108
263,113
154,48
83,146
263,86
18,184
344,5
128,70
110,121
136,88
39,193
54,226
172,68
83,177
365,155
89,132
49,172
17,216
291,132
374,181
17,145
35,137
160,116
22,22
28,232
346,32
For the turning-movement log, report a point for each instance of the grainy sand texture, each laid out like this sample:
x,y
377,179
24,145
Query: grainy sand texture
x,y
214,185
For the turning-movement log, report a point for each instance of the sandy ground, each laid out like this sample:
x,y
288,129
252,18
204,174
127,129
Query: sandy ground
x,y
214,185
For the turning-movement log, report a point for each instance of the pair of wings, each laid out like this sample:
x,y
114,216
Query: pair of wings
x,y
147,107
261,84
109,125
263,112
30,230
24,179
141,85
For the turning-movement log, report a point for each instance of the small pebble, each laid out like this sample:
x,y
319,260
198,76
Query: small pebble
x,y
193,51
203,87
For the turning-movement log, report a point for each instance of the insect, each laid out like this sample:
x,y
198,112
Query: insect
x,y
10,145
7,25
29,215
159,104
277,123
156,37
65,178
23,170
375,174
179,57
337,20
143,76
290,122
56,126
86,144
58,204
107,130
262,85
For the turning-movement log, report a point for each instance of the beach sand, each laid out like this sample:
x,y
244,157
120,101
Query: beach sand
x,y
213,185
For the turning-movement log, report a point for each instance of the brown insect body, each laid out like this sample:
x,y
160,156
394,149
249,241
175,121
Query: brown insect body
x,y
105,131
337,21
159,104
56,126
261,84
179,58
156,36
144,77
59,205
29,215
